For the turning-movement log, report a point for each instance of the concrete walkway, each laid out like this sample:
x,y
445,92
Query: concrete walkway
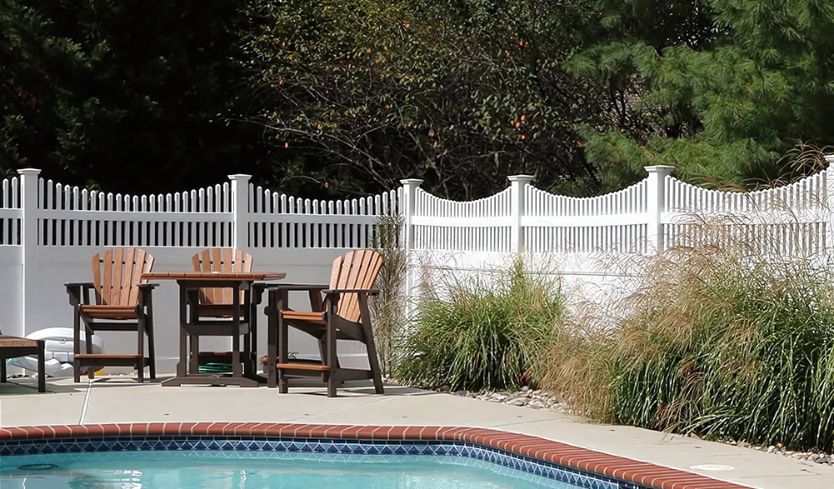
x,y
122,400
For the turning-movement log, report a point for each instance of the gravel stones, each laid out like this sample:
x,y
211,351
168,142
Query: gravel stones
x,y
526,397
538,399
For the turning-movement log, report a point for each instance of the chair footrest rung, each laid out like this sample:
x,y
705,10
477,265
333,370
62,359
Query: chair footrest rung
x,y
103,359
109,356
315,367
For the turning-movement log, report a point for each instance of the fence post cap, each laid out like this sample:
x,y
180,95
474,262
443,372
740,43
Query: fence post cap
x,y
239,176
29,171
521,178
411,181
666,169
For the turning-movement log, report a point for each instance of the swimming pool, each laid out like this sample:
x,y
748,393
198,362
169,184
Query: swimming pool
x,y
221,469
244,455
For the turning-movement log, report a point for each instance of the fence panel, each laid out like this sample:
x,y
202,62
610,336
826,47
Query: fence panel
x,y
480,225
612,223
277,220
10,213
790,220
72,216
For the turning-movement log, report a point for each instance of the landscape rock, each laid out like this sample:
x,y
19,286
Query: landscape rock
x,y
538,399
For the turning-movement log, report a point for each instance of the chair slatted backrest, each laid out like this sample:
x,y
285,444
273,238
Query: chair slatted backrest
x,y
221,260
117,275
357,269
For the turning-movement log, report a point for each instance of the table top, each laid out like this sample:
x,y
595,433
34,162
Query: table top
x,y
219,276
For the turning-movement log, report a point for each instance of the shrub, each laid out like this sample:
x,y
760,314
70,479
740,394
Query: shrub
x,y
474,335
389,305
722,342
576,366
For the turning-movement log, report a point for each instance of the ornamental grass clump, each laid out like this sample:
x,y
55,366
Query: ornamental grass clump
x,y
483,333
389,306
727,343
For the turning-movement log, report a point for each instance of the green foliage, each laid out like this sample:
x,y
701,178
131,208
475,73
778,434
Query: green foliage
x,y
349,96
389,306
721,342
362,93
121,93
473,335
722,95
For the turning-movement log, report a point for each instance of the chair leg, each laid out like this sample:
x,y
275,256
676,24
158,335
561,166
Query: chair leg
x,y
331,356
88,332
236,370
76,347
140,349
41,367
194,353
246,353
151,350
283,383
331,384
271,346
283,354
373,359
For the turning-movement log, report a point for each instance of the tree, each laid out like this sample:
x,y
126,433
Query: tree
x,y
723,96
361,93
132,96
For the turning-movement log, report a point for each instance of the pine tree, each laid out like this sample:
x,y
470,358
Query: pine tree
x,y
723,96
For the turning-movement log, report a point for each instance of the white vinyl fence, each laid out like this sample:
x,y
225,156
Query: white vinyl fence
x,y
49,231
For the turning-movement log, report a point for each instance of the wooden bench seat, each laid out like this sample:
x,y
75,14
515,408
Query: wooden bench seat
x,y
96,311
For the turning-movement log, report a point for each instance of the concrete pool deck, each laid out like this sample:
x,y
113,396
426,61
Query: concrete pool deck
x,y
121,400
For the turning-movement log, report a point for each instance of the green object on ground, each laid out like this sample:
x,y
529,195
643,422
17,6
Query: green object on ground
x,y
213,368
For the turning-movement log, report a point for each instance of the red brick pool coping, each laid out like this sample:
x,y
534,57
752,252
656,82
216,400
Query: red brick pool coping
x,y
589,461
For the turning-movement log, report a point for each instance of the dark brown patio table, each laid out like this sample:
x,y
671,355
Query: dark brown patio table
x,y
252,284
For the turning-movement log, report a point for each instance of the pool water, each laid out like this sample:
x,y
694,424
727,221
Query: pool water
x,y
229,469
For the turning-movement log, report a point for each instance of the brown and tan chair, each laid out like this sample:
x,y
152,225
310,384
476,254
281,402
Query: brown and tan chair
x,y
121,302
217,303
340,311
13,347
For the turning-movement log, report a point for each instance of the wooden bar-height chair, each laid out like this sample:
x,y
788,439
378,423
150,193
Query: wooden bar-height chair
x,y
122,302
342,315
217,302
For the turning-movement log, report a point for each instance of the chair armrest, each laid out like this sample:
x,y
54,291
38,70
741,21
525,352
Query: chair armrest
x,y
146,296
313,290
351,291
295,287
77,292
88,285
